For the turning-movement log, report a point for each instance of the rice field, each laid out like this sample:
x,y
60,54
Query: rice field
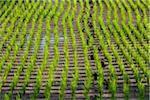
x,y
74,50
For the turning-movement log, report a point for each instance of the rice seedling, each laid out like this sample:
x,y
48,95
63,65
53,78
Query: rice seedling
x,y
79,49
